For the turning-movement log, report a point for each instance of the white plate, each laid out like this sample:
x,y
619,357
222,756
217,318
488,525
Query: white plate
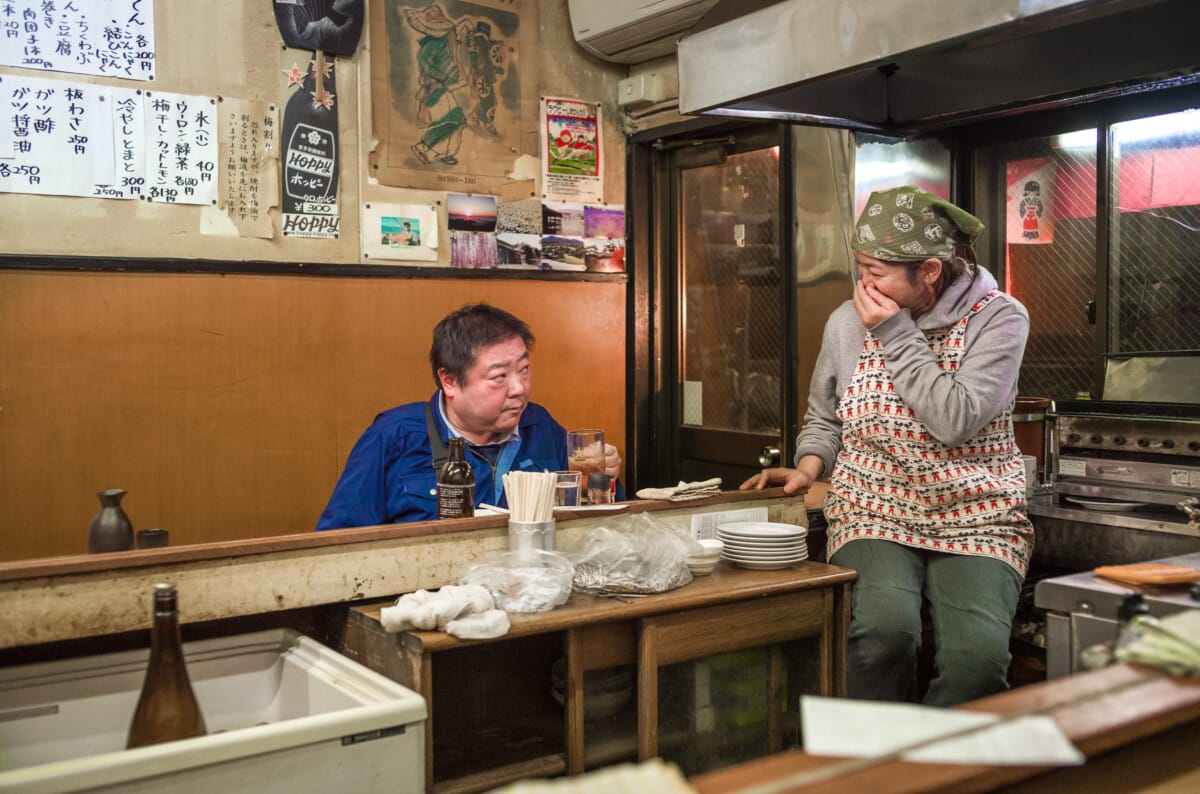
x,y
1105,504
768,552
760,529
767,558
766,566
781,543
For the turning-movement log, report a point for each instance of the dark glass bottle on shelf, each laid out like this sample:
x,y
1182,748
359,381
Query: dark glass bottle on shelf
x,y
167,708
110,529
456,484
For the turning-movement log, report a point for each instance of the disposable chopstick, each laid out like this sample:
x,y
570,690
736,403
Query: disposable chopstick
x,y
530,495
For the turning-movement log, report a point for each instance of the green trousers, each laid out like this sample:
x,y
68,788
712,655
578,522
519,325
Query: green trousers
x,y
971,602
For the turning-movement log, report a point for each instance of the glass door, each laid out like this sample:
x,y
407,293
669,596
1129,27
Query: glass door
x,y
729,381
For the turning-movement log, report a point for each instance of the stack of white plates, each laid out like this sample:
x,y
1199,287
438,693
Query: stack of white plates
x,y
763,545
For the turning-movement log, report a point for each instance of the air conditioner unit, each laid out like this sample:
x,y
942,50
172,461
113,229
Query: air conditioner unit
x,y
633,31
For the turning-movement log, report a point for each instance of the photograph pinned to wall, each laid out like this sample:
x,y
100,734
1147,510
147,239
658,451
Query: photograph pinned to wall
x,y
570,150
181,123
563,252
249,150
470,213
523,216
447,101
309,141
1031,200
472,223
399,232
519,234
562,236
473,250
332,26
563,218
109,39
604,238
516,251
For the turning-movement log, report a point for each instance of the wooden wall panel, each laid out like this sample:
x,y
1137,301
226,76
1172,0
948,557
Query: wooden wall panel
x,y
226,405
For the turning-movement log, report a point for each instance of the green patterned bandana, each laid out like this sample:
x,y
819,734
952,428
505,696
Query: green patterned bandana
x,y
907,224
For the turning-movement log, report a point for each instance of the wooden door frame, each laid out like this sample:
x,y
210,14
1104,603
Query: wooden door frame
x,y
653,444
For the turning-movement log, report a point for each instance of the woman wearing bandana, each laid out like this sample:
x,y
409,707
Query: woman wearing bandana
x,y
910,419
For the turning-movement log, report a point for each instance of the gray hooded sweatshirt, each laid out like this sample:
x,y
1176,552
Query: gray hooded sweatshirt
x,y
954,406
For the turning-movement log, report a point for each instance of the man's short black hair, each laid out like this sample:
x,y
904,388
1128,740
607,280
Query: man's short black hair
x,y
459,336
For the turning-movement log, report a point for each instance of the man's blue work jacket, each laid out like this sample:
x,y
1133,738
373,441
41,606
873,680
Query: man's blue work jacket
x,y
390,475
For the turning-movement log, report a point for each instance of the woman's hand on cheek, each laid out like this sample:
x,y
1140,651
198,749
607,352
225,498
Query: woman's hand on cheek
x,y
872,306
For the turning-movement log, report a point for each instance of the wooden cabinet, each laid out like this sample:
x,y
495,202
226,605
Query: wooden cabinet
x,y
493,718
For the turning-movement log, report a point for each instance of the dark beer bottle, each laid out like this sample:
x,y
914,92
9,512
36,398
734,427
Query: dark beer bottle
x,y
167,709
456,484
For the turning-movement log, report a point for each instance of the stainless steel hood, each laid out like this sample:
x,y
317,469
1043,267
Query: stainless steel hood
x,y
903,66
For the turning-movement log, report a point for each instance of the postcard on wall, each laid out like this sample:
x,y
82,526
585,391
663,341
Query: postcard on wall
x,y
472,223
562,236
604,238
448,95
571,165
181,148
109,38
309,146
71,139
401,232
249,154
519,235
1031,200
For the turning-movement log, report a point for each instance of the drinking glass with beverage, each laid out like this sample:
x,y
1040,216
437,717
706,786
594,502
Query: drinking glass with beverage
x,y
566,488
585,452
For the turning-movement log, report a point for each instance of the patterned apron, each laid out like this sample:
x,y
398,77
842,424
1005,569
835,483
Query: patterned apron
x,y
894,481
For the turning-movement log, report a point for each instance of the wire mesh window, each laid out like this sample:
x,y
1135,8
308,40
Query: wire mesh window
x,y
1154,297
731,274
1040,204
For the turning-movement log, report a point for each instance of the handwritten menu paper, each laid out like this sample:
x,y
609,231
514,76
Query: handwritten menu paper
x,y
55,133
868,729
59,138
110,38
181,148
249,149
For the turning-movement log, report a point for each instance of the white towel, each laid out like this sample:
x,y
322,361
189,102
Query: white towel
x,y
426,611
683,491
480,626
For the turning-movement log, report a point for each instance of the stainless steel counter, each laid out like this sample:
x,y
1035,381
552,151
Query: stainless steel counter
x,y
1082,611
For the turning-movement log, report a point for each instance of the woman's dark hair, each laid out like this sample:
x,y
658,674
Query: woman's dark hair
x,y
460,334
953,266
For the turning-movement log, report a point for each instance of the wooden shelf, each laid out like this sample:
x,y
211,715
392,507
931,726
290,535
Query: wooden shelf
x,y
492,719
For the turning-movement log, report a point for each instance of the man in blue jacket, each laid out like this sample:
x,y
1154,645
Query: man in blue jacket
x,y
480,362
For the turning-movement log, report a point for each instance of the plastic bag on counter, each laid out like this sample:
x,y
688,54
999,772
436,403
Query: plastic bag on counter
x,y
649,557
529,580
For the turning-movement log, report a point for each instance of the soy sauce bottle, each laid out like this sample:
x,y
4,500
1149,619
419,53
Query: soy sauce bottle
x,y
456,484
167,708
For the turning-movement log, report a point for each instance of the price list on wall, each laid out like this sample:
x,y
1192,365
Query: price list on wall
x,y
109,38
75,139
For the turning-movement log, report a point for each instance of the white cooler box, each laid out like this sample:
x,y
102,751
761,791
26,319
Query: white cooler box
x,y
284,714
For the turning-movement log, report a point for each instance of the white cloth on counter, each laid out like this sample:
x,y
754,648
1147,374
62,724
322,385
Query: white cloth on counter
x,y
654,775
480,626
428,610
684,491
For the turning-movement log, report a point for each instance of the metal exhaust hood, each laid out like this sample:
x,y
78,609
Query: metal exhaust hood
x,y
911,66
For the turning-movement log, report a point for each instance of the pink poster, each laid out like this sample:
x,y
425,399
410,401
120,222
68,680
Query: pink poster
x,y
1030,214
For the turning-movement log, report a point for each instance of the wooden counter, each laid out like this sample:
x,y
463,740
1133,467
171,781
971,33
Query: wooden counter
x,y
89,595
1137,726
464,681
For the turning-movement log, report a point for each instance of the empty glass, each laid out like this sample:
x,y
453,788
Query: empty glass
x,y
566,488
